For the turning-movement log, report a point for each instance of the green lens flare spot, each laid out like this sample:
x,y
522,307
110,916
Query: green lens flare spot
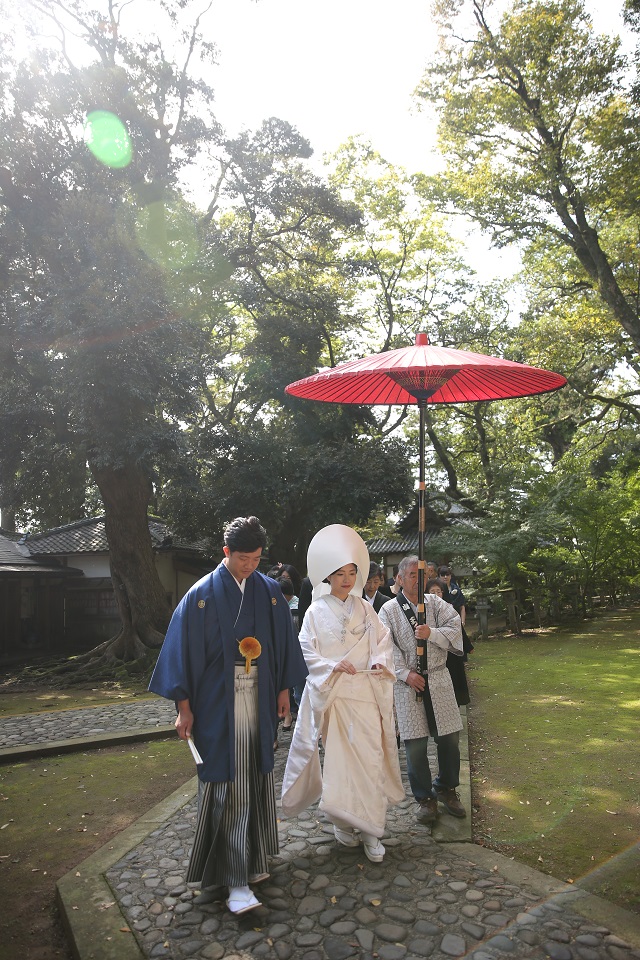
x,y
107,138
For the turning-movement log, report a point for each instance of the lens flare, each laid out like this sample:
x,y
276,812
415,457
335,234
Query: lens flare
x,y
167,232
107,138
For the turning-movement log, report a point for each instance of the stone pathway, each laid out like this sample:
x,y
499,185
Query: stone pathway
x,y
323,901
86,722
326,902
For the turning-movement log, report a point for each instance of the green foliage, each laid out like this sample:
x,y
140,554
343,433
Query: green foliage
x,y
91,343
540,137
139,329
407,267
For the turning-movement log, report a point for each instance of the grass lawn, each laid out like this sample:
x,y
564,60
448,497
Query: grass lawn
x,y
56,811
554,739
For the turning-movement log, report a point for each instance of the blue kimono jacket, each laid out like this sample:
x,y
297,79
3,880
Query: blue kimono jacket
x,y
199,654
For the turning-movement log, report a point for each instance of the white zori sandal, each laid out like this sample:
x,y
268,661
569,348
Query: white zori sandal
x,y
241,899
373,849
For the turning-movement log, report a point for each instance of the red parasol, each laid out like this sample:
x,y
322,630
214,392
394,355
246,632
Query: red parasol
x,y
420,375
425,373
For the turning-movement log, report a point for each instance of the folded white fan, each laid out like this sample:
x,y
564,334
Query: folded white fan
x,y
192,747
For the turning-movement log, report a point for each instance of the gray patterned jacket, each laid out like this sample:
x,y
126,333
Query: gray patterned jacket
x,y
446,635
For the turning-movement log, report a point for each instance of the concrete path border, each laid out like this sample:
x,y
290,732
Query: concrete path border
x,y
30,750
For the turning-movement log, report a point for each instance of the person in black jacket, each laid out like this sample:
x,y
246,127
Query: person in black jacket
x,y
372,591
455,665
455,595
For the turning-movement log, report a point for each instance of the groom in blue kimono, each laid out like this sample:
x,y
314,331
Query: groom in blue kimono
x,y
229,706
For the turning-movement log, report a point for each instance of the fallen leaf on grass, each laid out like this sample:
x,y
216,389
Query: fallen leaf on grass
x,y
125,930
6,824
612,812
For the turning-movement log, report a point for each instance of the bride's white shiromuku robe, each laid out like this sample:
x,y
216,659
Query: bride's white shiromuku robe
x,y
352,713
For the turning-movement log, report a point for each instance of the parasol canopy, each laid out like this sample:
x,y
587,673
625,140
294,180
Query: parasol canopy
x,y
426,373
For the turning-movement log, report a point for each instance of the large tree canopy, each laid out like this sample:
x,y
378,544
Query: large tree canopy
x,y
289,308
153,308
540,134
94,341
148,342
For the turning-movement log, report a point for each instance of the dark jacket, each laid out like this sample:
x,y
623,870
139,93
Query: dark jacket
x,y
197,662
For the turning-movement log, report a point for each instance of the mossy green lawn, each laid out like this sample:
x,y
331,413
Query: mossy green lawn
x,y
555,750
57,810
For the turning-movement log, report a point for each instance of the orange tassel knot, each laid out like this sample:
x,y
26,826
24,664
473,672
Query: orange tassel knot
x,y
250,649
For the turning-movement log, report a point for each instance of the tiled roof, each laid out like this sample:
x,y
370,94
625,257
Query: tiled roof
x,y
10,535
11,552
407,544
89,536
407,524
15,558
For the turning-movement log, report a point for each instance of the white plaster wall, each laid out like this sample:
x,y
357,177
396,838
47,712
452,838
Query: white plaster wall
x,y
91,564
185,581
164,566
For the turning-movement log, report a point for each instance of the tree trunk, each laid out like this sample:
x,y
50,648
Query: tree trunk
x,y
291,542
8,519
142,602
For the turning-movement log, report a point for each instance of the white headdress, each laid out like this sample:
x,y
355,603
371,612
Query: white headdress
x,y
331,548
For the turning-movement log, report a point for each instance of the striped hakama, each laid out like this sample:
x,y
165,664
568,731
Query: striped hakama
x,y
237,827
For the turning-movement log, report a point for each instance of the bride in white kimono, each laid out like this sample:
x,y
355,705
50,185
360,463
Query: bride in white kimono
x,y
347,700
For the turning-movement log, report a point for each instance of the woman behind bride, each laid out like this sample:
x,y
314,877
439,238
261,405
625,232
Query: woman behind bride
x,y
347,700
